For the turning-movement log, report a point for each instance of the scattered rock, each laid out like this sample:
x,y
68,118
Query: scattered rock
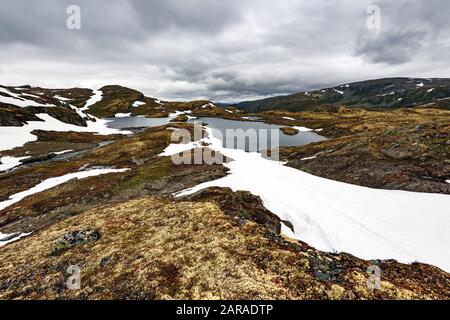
x,y
104,261
73,238
326,270
397,153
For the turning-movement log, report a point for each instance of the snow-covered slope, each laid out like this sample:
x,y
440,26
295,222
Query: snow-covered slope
x,y
335,216
19,100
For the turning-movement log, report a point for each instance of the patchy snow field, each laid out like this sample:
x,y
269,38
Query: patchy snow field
x,y
338,217
12,137
179,113
20,100
53,182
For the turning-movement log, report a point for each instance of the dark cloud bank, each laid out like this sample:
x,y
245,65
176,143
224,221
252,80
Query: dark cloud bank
x,y
221,50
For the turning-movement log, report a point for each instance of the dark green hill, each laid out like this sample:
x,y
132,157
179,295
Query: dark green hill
x,y
379,93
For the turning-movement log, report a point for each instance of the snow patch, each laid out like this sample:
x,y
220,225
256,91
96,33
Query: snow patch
x,y
288,118
96,97
10,162
208,105
303,129
122,115
53,182
175,148
62,98
179,113
137,104
62,152
8,238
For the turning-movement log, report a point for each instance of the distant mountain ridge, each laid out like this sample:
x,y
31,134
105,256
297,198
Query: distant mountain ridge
x,y
378,93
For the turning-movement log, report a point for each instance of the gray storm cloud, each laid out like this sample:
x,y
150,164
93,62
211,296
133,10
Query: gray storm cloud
x,y
220,50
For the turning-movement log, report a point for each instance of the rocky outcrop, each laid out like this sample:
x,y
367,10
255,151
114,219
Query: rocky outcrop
x,y
63,114
11,116
72,239
241,205
180,118
289,131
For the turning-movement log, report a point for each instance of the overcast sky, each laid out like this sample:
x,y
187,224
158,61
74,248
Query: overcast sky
x,y
220,50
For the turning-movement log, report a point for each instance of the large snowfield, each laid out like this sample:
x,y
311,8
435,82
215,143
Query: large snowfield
x,y
339,217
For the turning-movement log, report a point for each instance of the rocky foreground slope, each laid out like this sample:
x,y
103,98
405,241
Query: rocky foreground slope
x,y
132,239
155,248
